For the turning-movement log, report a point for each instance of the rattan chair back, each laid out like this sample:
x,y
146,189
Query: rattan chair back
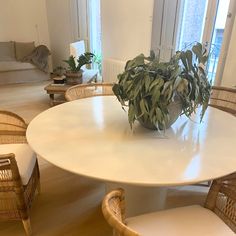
x,y
224,99
12,128
221,199
88,90
113,208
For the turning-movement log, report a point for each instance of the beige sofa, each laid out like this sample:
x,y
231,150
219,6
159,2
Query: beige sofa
x,y
12,69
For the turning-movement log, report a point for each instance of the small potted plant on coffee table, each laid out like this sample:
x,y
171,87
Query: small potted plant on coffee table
x,y
74,72
157,93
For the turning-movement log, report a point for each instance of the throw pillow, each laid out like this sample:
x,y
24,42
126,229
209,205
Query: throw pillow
x,y
23,49
7,51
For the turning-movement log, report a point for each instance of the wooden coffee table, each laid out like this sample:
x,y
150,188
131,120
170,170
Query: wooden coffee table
x,y
60,89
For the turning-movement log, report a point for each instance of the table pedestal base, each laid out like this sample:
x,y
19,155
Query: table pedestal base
x,y
140,200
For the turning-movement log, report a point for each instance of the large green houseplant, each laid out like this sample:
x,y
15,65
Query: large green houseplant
x,y
156,93
74,72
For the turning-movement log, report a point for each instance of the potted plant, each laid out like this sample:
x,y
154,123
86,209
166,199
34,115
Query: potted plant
x,y
58,75
74,72
157,93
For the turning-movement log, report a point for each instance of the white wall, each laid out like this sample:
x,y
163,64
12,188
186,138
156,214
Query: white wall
x,y
229,74
59,21
67,24
24,20
126,28
48,22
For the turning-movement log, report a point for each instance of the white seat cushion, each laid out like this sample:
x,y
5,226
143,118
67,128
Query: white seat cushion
x,y
25,159
184,221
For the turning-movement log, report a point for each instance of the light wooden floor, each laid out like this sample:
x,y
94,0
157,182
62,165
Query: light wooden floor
x,y
68,204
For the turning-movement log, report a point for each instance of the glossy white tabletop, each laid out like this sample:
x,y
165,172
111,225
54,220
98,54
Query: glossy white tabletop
x,y
92,137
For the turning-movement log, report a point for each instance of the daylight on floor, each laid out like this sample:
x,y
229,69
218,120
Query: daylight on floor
x,y
117,118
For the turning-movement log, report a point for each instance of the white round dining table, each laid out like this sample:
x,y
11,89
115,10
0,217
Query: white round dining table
x,y
92,137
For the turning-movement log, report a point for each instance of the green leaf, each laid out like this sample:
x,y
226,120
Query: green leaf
x,y
177,82
143,106
131,114
189,57
184,60
197,49
155,83
166,85
147,82
71,63
156,95
137,61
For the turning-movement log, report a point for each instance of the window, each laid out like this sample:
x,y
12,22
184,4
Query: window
x,y
178,24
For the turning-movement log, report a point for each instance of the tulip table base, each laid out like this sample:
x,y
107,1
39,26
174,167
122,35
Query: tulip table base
x,y
140,200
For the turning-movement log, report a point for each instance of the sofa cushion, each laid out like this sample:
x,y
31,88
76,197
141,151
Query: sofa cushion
x,y
25,159
15,65
23,49
184,221
7,51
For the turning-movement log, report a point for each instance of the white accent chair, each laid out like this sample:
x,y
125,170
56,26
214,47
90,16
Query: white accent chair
x,y
77,48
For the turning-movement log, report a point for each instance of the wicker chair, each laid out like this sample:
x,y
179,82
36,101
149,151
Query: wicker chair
x,y
19,172
219,211
12,128
224,99
88,90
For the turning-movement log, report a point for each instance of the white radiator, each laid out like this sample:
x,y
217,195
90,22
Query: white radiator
x,y
111,68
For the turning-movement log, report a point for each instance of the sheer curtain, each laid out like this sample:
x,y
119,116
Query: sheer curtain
x,y
95,26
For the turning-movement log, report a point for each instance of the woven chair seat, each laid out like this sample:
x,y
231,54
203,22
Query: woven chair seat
x,y
183,221
25,159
